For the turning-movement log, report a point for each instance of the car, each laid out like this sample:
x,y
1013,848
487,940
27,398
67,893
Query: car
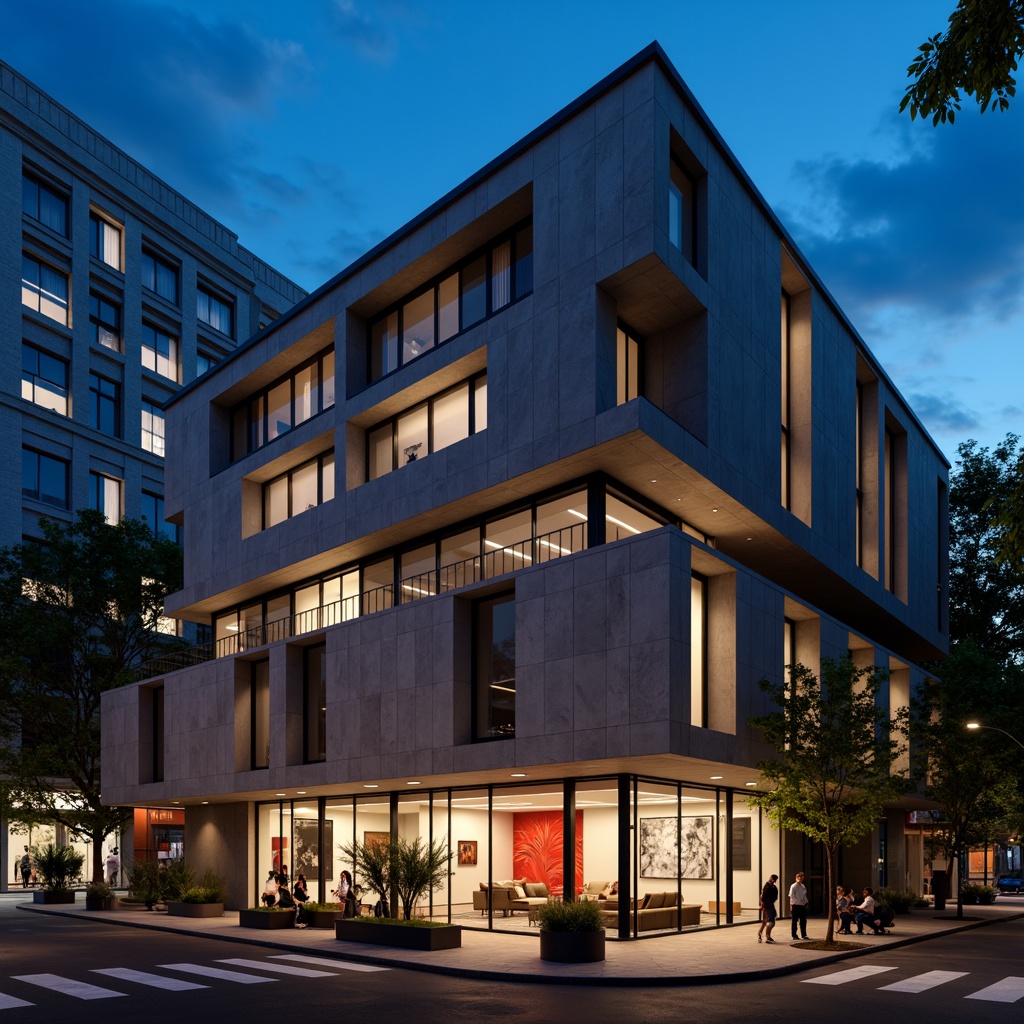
x,y
1011,884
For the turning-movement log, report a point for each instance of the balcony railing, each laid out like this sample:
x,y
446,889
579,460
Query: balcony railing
x,y
498,561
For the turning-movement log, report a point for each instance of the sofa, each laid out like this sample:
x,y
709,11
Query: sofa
x,y
656,910
497,898
593,890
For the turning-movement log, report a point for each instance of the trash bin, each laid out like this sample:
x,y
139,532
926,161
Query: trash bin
x,y
940,889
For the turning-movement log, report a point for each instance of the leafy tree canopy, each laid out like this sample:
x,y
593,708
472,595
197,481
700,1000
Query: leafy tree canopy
x,y
78,612
838,753
977,54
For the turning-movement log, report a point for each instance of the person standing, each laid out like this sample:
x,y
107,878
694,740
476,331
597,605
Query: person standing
x,y
26,868
798,906
113,866
769,897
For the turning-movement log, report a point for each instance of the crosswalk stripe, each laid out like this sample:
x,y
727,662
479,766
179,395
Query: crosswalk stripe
x,y
218,972
319,961
68,987
923,982
10,1002
262,965
842,977
1009,990
145,978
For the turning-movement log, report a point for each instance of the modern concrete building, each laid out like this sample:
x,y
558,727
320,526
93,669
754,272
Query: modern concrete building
x,y
116,290
499,529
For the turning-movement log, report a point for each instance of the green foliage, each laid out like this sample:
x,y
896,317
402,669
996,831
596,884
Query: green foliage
x,y
899,901
145,884
408,868
99,890
58,866
176,877
334,908
979,893
413,922
77,612
202,894
837,752
977,53
274,910
571,916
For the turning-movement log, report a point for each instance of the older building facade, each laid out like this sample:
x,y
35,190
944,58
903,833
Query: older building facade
x,y
498,531
116,290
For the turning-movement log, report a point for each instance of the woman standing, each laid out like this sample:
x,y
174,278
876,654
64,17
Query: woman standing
x,y
769,897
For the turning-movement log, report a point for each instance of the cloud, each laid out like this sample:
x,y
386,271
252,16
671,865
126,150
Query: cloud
x,y
367,35
939,231
342,248
944,413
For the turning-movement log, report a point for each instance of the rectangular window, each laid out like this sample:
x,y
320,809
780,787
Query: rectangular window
x,y
501,275
104,322
412,435
417,326
314,686
448,307
298,490
160,352
160,276
698,651
105,496
44,379
104,405
785,412
219,313
378,590
279,410
259,715
152,428
44,478
418,573
104,241
495,668
681,207
522,279
474,292
158,734
44,204
153,513
627,366
44,289
204,362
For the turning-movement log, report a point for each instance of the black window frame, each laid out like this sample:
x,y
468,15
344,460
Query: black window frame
x,y
308,706
95,494
158,331
104,397
38,287
32,190
288,474
206,297
99,317
37,494
151,281
480,734
160,527
31,375
96,240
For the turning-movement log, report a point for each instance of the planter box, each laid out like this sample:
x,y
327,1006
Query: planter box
x,y
175,909
572,947
321,918
63,896
132,905
99,902
448,936
266,918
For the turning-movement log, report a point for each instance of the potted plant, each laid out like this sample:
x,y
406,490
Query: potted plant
x,y
571,932
145,885
99,896
266,917
59,867
203,900
320,915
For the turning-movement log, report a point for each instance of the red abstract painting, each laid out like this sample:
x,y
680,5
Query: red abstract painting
x,y
537,841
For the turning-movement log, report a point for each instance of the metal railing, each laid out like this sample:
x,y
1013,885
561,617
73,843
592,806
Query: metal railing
x,y
499,561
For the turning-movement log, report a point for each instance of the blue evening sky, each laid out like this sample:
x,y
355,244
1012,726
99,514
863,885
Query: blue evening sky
x,y
315,128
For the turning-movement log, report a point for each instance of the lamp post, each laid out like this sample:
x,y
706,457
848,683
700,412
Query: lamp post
x,y
995,728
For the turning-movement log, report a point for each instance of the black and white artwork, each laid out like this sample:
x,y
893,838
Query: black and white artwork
x,y
307,850
660,854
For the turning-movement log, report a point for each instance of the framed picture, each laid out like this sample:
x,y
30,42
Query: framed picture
x,y
467,852
374,838
307,849
660,852
741,844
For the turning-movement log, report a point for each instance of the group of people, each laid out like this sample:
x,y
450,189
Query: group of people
x,y
276,893
850,911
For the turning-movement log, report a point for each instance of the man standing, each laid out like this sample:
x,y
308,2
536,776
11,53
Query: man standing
x,y
113,866
798,906
26,868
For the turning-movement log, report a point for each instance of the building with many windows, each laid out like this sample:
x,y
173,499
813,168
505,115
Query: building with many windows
x,y
116,291
498,530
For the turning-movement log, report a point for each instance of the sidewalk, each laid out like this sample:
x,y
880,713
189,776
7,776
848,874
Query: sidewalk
x,y
716,955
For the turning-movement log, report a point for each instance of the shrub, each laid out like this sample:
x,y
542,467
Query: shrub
x,y
899,901
59,866
582,916
176,877
201,894
99,891
336,908
979,892
144,883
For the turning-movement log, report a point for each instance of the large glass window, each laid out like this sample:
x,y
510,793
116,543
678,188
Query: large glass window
x,y
681,202
160,352
785,364
627,365
152,428
44,289
104,321
218,312
44,204
561,526
44,379
508,544
44,478
299,489
153,513
462,296
105,496
104,241
495,675
104,405
315,703
418,573
159,275
442,420
378,586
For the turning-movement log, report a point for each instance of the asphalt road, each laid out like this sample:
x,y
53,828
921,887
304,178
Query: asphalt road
x,y
62,969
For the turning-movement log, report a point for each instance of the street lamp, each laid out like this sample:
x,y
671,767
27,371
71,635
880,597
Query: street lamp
x,y
995,728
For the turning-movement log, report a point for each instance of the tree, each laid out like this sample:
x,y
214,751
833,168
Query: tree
x,y
408,867
1009,519
977,53
78,612
986,591
972,775
837,754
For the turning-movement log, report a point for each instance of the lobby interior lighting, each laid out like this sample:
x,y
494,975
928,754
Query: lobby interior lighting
x,y
370,785
414,783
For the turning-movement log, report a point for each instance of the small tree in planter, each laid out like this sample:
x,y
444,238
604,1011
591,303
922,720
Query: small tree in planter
x,y
145,884
571,932
410,868
99,896
59,867
203,900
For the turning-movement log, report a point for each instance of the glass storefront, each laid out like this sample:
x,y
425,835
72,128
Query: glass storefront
x,y
682,857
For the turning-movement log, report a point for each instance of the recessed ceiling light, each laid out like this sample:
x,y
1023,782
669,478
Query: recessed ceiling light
x,y
370,785
301,792
280,794
175,801
717,776
714,510
654,481
751,783
414,783
519,775
205,802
